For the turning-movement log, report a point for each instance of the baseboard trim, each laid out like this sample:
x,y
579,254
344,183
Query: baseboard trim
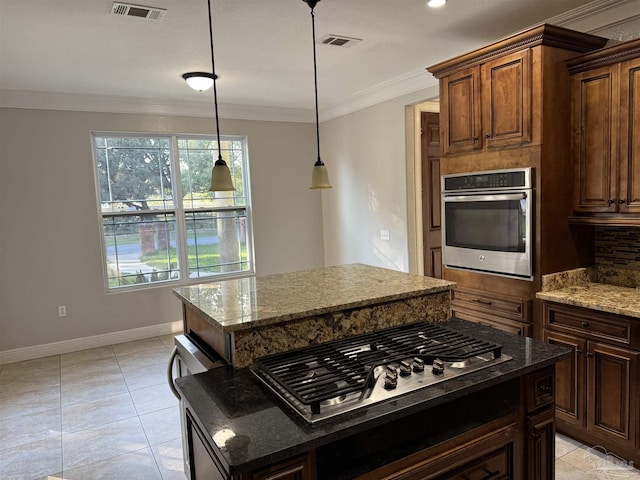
x,y
73,345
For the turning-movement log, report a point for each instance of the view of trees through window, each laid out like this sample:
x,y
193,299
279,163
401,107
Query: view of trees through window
x,y
159,220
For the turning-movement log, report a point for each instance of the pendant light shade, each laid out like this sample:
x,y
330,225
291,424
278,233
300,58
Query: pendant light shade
x,y
319,174
220,174
221,178
199,81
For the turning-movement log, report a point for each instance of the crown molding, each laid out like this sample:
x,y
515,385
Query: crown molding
x,y
381,92
591,9
155,106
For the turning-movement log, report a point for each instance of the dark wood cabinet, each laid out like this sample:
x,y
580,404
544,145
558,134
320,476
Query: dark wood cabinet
x,y
597,387
504,312
606,128
488,105
506,86
541,450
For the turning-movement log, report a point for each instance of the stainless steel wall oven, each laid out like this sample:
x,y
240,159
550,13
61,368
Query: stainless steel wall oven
x,y
487,222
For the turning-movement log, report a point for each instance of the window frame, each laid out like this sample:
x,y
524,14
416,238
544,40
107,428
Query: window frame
x,y
179,211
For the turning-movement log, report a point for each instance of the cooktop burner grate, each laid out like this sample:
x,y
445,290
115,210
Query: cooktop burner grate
x,y
335,369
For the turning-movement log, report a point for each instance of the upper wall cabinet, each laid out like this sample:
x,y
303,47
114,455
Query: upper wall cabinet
x,y
491,98
606,135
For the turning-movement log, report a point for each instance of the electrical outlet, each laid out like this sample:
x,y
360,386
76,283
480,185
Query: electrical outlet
x,y
384,234
62,310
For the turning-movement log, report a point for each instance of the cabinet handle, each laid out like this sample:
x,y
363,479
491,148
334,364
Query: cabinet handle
x,y
585,324
483,302
487,135
621,201
489,474
610,201
589,355
474,138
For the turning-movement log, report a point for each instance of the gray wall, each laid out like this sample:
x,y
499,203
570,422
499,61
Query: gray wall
x,y
50,230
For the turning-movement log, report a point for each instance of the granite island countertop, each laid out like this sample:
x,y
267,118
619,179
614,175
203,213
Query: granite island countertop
x,y
578,288
250,428
240,304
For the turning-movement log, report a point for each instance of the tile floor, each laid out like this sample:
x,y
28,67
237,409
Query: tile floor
x,y
107,413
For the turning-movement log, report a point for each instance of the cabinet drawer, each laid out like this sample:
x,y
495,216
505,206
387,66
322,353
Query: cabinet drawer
x,y
497,304
590,324
540,389
505,324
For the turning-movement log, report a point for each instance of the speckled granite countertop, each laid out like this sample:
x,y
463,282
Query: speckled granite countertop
x,y
250,302
578,287
598,296
251,429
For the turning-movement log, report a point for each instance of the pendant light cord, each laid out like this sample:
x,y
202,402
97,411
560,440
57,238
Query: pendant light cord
x,y
215,92
315,80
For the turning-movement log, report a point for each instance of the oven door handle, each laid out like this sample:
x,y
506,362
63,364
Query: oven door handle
x,y
172,359
485,198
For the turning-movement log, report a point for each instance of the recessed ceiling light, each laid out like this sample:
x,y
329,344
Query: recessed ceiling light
x,y
436,3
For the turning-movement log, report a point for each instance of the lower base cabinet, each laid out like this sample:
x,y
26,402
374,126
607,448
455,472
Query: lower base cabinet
x,y
597,388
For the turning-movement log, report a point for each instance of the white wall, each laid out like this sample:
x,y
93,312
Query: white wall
x,y
365,153
49,226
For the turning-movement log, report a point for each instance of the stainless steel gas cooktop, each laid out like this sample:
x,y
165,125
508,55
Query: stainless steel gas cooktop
x,y
321,381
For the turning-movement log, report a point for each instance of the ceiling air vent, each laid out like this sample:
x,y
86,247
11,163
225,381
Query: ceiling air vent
x,y
340,40
140,11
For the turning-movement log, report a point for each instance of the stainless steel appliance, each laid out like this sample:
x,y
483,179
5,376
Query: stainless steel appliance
x,y
187,358
321,381
487,221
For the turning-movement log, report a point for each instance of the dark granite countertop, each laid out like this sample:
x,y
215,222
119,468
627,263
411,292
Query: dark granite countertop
x,y
251,428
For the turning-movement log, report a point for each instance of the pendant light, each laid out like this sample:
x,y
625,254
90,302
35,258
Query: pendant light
x,y
220,174
319,174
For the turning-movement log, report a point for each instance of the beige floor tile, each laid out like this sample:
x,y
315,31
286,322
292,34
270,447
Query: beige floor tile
x,y
81,370
101,443
143,358
93,387
86,415
151,399
145,376
565,445
33,460
30,428
596,461
168,340
88,355
30,375
148,344
169,459
138,465
29,403
566,471
162,426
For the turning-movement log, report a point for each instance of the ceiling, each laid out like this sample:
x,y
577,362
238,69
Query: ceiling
x,y
70,53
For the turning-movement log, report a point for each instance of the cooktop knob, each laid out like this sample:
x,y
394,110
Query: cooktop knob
x,y
405,368
418,365
390,381
438,367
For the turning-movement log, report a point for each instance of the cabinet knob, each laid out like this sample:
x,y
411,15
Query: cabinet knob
x,y
474,138
610,201
589,355
585,324
621,201
487,135
578,350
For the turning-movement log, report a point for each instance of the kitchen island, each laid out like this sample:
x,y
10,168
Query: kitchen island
x,y
498,420
245,318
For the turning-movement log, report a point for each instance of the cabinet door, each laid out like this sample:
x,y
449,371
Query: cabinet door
x,y
203,462
570,378
595,144
612,396
629,200
460,117
541,454
506,100
299,468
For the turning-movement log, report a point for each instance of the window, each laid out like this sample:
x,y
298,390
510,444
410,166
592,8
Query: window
x,y
160,223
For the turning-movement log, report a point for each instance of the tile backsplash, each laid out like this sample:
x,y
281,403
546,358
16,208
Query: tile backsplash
x,y
618,255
